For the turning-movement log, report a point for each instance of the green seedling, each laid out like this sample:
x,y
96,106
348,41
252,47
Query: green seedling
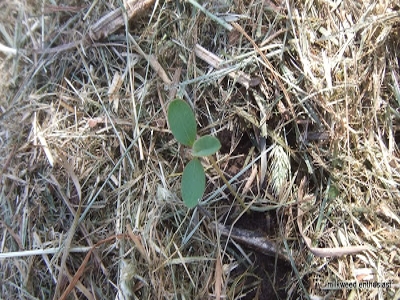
x,y
182,123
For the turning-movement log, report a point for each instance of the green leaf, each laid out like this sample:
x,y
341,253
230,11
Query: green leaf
x,y
205,146
193,183
333,192
182,122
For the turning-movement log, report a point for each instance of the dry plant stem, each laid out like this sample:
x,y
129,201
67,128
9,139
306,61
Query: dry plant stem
x,y
41,252
214,164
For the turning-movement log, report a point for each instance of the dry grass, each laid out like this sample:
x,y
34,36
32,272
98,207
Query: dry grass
x,y
87,158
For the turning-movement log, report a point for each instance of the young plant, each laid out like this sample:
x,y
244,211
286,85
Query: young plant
x,y
182,123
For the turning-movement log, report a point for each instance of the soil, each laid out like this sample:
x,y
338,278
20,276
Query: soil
x,y
273,272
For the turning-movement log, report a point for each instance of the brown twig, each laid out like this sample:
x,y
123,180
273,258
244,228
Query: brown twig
x,y
251,239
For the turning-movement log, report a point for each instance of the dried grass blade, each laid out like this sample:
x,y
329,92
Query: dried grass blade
x,y
210,15
46,149
46,251
74,225
218,277
182,261
8,50
13,234
321,252
81,287
138,243
216,62
269,66
250,181
81,269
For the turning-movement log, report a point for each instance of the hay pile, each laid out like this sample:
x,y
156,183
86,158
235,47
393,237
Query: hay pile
x,y
304,96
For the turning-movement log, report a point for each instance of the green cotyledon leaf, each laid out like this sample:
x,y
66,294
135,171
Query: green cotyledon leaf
x,y
205,146
182,122
193,183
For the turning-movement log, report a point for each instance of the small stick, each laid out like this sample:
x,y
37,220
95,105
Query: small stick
x,y
251,239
